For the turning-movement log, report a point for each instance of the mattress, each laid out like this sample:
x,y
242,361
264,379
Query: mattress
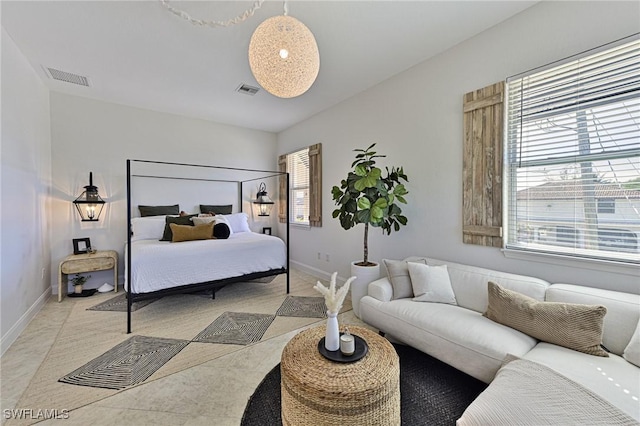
x,y
158,265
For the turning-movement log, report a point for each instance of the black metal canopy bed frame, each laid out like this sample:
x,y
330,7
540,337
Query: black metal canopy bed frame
x,y
207,285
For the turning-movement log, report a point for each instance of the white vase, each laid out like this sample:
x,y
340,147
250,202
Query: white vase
x,y
365,275
332,335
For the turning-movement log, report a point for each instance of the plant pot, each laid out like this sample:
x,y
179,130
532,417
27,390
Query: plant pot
x,y
365,275
77,289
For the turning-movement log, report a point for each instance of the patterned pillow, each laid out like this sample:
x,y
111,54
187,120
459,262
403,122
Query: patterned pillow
x,y
190,233
572,325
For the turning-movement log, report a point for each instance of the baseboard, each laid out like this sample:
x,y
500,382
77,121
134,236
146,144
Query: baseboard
x,y
315,272
14,332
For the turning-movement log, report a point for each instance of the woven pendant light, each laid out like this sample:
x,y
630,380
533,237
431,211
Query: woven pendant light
x,y
283,56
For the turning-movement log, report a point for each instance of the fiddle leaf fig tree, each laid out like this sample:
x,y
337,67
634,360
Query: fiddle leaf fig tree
x,y
367,196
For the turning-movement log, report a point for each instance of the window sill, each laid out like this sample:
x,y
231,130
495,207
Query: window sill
x,y
574,262
299,226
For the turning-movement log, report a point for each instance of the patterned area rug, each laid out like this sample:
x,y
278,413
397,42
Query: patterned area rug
x,y
432,392
119,303
298,306
126,364
236,328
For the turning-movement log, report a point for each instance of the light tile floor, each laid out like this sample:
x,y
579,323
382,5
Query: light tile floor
x,y
213,393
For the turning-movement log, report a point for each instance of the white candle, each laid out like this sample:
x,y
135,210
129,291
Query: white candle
x,y
347,344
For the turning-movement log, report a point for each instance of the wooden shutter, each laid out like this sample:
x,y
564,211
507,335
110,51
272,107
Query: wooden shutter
x,y
315,185
482,166
282,192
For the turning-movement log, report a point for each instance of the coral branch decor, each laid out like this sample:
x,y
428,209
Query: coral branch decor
x,y
333,299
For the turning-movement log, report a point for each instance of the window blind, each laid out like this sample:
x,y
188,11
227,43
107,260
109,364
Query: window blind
x,y
573,156
298,167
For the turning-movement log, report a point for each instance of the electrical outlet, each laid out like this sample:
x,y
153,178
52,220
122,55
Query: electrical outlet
x,y
326,257
42,274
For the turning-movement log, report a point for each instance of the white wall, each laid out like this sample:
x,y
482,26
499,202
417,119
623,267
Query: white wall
x,y
416,119
26,183
89,135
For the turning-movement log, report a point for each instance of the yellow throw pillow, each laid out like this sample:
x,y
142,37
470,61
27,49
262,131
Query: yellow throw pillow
x,y
190,233
572,325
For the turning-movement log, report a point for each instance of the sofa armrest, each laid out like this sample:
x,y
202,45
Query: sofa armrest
x,y
381,289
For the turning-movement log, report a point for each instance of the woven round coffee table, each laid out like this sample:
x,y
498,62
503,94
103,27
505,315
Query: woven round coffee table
x,y
317,391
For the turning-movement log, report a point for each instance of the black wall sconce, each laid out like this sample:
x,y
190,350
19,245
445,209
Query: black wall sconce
x,y
89,204
263,201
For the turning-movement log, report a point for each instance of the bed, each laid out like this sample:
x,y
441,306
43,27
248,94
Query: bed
x,y
156,268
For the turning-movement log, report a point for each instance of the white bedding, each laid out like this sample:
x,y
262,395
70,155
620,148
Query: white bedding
x,y
157,265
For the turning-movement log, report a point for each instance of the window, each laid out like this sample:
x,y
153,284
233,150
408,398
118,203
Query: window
x,y
573,156
298,168
305,179
606,205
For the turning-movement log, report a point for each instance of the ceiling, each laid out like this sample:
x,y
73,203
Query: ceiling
x,y
137,53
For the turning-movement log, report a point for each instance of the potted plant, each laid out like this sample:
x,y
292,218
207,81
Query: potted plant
x,y
369,196
78,281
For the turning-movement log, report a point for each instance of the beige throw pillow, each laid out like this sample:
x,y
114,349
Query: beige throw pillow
x,y
398,274
572,325
632,351
191,233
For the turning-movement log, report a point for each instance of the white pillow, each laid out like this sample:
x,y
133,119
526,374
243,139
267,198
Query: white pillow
x,y
632,351
221,219
238,222
431,283
147,228
203,220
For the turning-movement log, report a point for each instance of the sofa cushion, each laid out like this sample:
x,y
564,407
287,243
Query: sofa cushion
x,y
612,378
431,283
623,311
574,326
460,337
632,351
398,273
470,284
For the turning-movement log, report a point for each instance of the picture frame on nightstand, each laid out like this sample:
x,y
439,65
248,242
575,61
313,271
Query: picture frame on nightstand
x,y
266,230
81,245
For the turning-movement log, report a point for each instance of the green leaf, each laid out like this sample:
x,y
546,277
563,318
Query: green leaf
x,y
401,199
380,203
363,216
364,203
402,220
400,190
361,170
368,181
336,213
377,214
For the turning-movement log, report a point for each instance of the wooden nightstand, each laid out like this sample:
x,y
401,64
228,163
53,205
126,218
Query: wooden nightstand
x,y
81,263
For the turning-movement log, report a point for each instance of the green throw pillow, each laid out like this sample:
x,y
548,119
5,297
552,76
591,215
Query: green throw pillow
x,y
179,220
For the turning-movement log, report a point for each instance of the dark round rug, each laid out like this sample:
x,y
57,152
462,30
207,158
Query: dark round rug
x,y
431,392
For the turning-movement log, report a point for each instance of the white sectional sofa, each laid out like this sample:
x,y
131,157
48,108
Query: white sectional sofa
x,y
462,337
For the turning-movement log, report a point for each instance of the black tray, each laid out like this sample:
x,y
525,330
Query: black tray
x,y
361,349
85,293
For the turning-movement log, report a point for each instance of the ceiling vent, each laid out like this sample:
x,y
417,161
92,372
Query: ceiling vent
x,y
67,77
247,90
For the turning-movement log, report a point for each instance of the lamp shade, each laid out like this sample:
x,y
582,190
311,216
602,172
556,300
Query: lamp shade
x,y
283,56
265,204
89,204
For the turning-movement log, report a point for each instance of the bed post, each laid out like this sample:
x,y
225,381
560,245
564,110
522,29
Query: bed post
x,y
288,240
128,260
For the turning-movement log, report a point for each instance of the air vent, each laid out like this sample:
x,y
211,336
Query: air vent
x,y
247,90
67,77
